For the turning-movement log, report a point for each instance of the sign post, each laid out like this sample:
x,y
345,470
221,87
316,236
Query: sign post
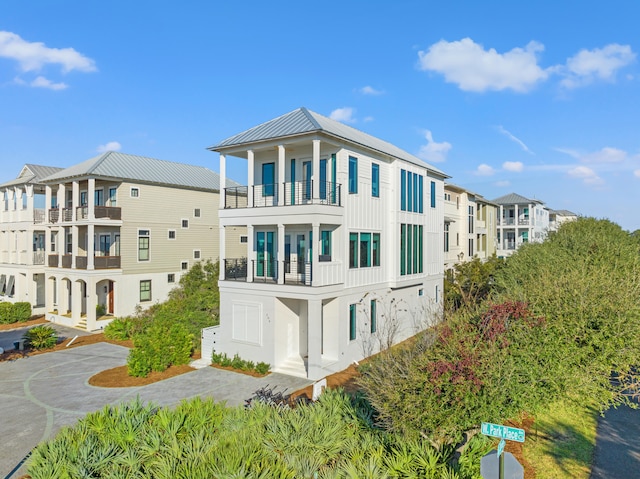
x,y
504,433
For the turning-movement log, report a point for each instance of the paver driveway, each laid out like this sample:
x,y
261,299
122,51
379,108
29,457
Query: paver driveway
x,y
42,393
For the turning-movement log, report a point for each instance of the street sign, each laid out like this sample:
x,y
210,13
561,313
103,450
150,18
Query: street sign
x,y
503,432
501,446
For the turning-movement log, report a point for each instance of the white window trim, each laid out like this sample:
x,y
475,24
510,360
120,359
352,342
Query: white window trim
x,y
185,269
131,192
246,239
199,251
138,245
175,235
182,220
199,215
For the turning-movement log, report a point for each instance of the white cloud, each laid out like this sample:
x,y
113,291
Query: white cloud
x,y
502,183
513,138
369,90
432,151
588,66
567,151
473,68
32,56
637,173
367,119
110,146
605,155
515,166
42,82
586,174
484,170
345,115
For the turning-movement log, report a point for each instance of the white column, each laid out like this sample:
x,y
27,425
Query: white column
x,y
223,184
251,180
48,295
47,202
281,258
62,243
75,200
92,301
315,277
74,245
91,199
250,253
316,170
76,301
10,194
30,202
314,339
61,201
223,254
90,246
280,177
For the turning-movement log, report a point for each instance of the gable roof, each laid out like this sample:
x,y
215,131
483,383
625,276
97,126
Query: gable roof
x,y
31,174
515,199
122,166
302,121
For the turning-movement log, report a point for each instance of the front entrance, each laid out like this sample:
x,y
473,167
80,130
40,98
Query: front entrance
x,y
110,296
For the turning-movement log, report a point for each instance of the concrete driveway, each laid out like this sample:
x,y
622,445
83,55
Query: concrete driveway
x,y
41,394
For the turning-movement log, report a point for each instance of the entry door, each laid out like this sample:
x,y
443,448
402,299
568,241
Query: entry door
x,y
301,250
307,172
264,256
110,298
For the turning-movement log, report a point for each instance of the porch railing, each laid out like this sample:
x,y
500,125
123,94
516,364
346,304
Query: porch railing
x,y
235,269
54,215
266,271
38,257
295,193
297,272
67,214
52,261
38,216
110,212
66,261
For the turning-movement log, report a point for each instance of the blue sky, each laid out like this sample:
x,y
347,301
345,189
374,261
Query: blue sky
x,y
541,99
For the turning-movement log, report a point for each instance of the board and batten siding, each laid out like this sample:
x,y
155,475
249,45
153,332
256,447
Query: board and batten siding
x,y
160,209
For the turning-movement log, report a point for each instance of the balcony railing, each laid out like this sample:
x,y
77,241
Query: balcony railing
x,y
38,216
54,215
295,193
523,221
38,257
99,262
110,212
509,245
507,221
266,271
66,261
52,261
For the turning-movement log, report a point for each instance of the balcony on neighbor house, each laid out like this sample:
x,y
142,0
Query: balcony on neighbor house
x,y
39,216
99,262
82,213
523,221
38,257
295,193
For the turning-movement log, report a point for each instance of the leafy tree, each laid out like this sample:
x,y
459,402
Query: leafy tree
x,y
469,283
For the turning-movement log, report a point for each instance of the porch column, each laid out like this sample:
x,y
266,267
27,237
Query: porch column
x,y
281,169
76,301
74,245
316,170
223,181
30,201
47,202
91,200
61,201
250,177
223,255
315,233
250,253
92,301
90,245
314,339
75,200
62,243
48,295
281,268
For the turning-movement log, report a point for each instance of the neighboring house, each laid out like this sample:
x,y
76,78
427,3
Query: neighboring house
x,y
344,248
22,237
120,231
557,217
470,226
520,220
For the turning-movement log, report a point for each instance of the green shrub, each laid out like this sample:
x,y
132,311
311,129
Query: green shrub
x,y
5,313
238,363
164,344
101,310
119,329
41,337
262,368
21,311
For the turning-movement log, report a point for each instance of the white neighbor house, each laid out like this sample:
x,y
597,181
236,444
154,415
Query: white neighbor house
x,y
22,237
343,249
520,220
120,231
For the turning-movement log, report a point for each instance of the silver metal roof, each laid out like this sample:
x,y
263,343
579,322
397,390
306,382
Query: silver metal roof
x,y
122,166
515,199
302,121
31,174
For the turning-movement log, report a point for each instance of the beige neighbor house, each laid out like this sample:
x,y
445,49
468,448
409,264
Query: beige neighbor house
x,y
22,237
120,231
470,226
344,248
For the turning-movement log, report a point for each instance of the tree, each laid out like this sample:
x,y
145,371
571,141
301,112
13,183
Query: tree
x,y
468,283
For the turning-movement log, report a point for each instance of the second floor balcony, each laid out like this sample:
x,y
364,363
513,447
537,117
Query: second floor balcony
x,y
293,193
82,213
99,262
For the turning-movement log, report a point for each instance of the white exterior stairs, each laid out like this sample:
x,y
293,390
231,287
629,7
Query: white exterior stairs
x,y
292,366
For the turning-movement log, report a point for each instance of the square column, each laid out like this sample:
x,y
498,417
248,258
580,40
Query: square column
x,y
251,180
76,301
223,256
250,253
90,246
92,301
223,183
75,199
281,170
74,245
61,201
48,295
281,268
315,179
91,200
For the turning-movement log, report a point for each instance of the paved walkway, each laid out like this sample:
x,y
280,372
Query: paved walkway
x,y
41,394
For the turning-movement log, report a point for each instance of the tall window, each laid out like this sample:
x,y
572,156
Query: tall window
x,y
446,237
268,179
374,315
112,196
470,219
411,249
470,247
323,179
403,190
403,250
409,191
376,249
353,174
420,193
145,290
325,245
375,180
99,197
352,322
143,245
353,250
433,194
365,250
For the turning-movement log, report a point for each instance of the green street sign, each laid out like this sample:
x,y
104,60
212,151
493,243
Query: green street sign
x,y
503,432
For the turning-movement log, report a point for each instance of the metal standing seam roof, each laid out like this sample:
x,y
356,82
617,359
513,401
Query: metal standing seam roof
x,y
122,166
301,121
514,199
31,174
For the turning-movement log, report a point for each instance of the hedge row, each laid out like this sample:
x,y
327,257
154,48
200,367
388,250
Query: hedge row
x,y
14,312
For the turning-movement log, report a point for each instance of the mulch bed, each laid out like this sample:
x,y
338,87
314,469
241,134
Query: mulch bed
x,y
119,377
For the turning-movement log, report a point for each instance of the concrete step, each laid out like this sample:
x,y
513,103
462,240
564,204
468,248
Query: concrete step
x,y
293,366
200,363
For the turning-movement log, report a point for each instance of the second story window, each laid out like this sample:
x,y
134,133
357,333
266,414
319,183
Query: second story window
x,y
433,194
135,192
375,180
172,234
325,245
196,213
353,174
268,179
185,223
99,197
143,245
112,197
